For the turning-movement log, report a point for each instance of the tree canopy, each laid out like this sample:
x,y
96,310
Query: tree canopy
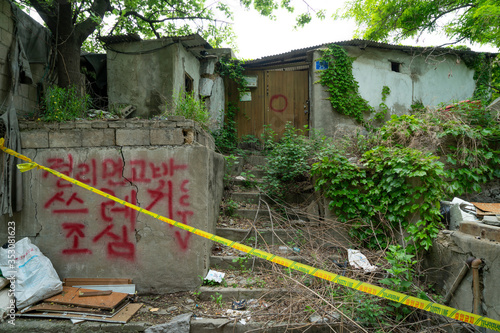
x,y
475,21
74,23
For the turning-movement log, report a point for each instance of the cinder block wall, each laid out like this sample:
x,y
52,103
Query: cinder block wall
x,y
167,167
6,33
25,100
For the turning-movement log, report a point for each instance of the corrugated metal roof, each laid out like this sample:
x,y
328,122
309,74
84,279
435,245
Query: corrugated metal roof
x,y
299,55
189,41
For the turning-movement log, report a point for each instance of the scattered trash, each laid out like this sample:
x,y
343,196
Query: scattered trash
x,y
240,178
214,276
239,305
36,278
358,260
466,209
243,315
284,249
154,309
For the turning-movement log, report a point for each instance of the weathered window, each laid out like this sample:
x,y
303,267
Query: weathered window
x,y
395,66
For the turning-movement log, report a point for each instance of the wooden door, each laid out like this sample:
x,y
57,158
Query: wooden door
x,y
286,100
280,97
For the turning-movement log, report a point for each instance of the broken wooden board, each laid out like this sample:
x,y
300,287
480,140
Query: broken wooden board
x,y
121,317
94,293
69,296
70,282
50,307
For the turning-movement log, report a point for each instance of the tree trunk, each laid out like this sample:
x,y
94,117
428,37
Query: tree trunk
x,y
68,63
68,48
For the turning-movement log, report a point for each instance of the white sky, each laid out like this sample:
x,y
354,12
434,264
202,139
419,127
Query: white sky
x,y
258,36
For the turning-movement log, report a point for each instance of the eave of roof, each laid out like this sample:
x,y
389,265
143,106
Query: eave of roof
x,y
297,56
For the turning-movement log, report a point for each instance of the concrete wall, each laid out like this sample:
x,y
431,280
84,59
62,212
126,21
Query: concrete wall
x,y
431,80
169,168
25,100
447,257
145,80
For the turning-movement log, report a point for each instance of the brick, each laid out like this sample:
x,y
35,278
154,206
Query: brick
x,y
65,139
160,137
83,124
117,124
5,21
99,124
98,137
134,124
169,124
5,37
68,125
186,124
34,139
132,137
50,126
176,118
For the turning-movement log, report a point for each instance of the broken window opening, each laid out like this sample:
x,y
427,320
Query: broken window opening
x,y
188,83
396,67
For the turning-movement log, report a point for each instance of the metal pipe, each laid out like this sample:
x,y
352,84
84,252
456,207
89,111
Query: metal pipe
x,y
476,285
459,279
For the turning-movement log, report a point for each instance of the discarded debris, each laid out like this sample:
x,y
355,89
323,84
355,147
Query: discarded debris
x,y
36,278
358,260
214,276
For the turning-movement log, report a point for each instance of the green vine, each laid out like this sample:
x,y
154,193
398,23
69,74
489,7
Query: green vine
x,y
380,198
482,67
340,83
233,69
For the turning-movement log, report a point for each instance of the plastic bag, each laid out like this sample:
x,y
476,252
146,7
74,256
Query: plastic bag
x,y
36,278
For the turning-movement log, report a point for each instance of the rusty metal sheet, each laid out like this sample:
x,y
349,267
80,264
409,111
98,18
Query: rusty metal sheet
x,y
70,296
70,282
121,317
488,207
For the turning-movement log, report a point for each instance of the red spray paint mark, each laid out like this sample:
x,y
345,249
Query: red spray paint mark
x,y
276,97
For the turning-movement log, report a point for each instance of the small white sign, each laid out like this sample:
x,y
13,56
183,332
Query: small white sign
x,y
246,96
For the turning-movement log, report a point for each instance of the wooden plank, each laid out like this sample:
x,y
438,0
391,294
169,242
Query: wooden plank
x,y
50,307
70,282
121,317
94,293
69,296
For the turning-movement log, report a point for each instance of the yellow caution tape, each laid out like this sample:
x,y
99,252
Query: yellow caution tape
x,y
394,296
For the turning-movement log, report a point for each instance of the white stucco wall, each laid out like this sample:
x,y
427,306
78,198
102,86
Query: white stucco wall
x,y
428,79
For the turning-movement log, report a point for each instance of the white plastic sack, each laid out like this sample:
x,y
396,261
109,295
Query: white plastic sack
x,y
358,260
36,278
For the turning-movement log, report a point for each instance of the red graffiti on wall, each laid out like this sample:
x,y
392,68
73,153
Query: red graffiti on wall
x,y
75,230
274,99
167,192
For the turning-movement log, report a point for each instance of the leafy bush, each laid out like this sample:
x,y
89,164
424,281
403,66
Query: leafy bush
x,y
188,106
226,138
63,104
380,196
289,160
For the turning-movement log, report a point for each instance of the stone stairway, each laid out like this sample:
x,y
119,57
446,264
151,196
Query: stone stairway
x,y
257,221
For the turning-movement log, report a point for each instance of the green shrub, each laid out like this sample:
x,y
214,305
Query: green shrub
x,y
186,105
63,104
379,198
